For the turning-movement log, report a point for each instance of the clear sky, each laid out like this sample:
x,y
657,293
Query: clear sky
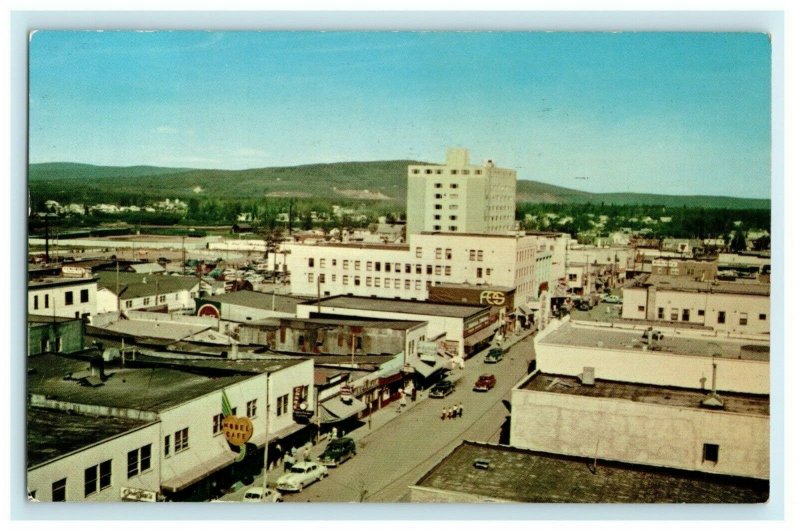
x,y
674,113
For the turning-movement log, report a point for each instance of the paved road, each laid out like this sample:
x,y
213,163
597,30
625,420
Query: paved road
x,y
399,449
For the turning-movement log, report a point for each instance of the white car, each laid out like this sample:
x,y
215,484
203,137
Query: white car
x,y
260,494
301,475
612,299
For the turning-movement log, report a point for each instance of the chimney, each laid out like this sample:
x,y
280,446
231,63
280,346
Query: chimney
x,y
587,376
713,400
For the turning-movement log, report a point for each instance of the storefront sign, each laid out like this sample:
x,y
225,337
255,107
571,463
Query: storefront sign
x,y
137,495
237,430
494,298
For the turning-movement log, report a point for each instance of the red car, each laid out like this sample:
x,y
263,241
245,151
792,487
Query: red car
x,y
485,382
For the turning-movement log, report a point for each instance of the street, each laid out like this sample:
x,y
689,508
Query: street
x,y
400,448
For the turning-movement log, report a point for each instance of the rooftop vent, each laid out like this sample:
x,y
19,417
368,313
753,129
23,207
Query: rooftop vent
x,y
481,464
587,376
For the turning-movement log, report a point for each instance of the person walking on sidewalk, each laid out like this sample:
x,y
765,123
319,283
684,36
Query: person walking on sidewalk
x,y
445,411
459,410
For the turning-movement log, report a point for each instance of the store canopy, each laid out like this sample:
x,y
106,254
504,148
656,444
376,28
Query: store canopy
x,y
479,336
426,369
334,410
525,309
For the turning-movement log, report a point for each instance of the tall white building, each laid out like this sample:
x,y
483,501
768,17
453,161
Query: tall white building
x,y
459,197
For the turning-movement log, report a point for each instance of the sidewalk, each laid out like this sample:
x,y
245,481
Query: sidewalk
x,y
373,422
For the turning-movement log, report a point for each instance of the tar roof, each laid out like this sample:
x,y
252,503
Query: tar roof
x,y
263,301
52,434
679,283
537,477
645,393
46,282
401,306
146,389
576,335
254,366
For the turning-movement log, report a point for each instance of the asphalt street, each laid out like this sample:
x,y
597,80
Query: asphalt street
x,y
399,448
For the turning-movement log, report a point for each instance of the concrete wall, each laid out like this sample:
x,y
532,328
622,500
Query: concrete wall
x,y
451,327
429,495
72,467
55,337
674,303
50,300
656,368
641,433
197,415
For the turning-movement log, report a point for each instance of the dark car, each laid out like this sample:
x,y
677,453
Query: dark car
x,y
494,355
485,382
584,305
656,335
338,451
442,389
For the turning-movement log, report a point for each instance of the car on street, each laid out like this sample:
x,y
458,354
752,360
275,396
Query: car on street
x,y
442,389
494,355
261,494
656,335
485,382
612,299
301,475
338,451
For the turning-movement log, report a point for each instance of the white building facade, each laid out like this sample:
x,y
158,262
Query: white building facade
x,y
459,197
62,297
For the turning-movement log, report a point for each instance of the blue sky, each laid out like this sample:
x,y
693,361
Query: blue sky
x,y
674,113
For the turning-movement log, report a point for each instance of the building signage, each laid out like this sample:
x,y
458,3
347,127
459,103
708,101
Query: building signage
x,y
427,350
208,310
237,430
299,397
73,271
137,495
493,298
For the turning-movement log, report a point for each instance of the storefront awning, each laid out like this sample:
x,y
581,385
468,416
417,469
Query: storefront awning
x,y
199,472
479,337
525,310
334,410
426,369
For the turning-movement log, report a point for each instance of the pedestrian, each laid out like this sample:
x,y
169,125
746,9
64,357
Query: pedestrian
x,y
403,400
334,431
460,410
444,413
288,462
461,363
453,411
306,453
414,394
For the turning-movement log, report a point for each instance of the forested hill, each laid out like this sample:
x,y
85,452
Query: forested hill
x,y
376,180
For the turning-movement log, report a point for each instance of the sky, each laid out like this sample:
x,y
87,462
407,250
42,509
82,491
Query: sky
x,y
670,113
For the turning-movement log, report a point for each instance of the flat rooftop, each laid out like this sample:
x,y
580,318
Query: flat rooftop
x,y
51,434
262,301
147,389
683,283
400,306
645,393
254,366
362,245
47,282
377,323
538,477
576,335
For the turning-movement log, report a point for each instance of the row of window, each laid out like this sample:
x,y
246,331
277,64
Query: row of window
x,y
439,171
451,228
161,299
438,206
685,315
387,282
386,266
442,196
69,299
437,217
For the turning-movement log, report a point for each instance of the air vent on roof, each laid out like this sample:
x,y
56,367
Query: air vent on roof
x,y
587,376
482,464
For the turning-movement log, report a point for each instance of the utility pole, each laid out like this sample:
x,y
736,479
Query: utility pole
x,y
266,441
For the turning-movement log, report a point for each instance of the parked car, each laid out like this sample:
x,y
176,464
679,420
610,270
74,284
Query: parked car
x,y
338,451
485,382
583,305
442,389
494,355
612,299
260,494
301,475
657,335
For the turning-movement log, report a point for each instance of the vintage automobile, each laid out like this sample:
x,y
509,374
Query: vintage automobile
x,y
261,494
338,451
442,389
485,382
301,475
494,355
612,299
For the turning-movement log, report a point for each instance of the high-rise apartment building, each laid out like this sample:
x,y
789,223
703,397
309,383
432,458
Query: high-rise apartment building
x,y
459,197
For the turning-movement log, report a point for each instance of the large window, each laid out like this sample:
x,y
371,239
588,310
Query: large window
x,y
743,319
84,295
97,478
60,490
216,422
68,298
283,405
181,440
721,318
710,453
139,460
251,408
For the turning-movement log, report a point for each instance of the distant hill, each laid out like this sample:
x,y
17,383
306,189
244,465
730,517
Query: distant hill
x,y
376,180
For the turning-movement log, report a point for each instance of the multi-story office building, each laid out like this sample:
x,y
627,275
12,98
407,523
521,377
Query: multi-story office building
x,y
459,197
